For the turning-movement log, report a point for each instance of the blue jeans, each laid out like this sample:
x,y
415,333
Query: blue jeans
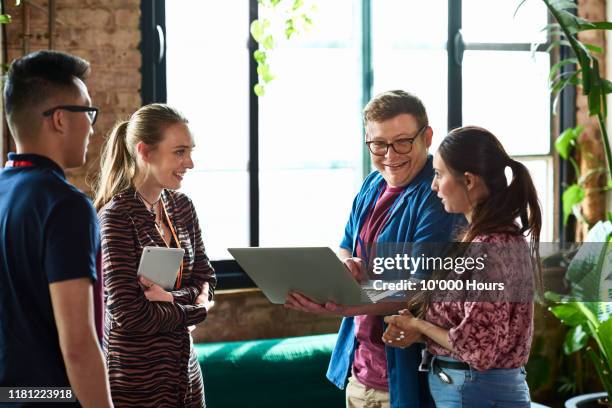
x,y
496,387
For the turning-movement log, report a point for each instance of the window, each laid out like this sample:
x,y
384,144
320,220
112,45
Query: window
x,y
505,86
282,170
199,60
310,132
486,77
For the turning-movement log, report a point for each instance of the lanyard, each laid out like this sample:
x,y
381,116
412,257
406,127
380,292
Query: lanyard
x,y
178,243
19,163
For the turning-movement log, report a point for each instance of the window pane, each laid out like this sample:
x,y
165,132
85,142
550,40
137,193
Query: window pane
x,y
409,53
207,79
310,131
507,93
487,21
421,72
542,176
305,206
310,114
221,200
402,24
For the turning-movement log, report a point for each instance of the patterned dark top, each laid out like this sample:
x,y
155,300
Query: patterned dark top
x,y
490,334
148,348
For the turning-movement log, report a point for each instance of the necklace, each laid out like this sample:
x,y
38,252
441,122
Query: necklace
x,y
152,204
158,221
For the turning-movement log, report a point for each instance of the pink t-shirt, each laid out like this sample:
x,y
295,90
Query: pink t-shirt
x,y
370,361
490,334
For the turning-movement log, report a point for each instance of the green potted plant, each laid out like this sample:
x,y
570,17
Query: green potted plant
x,y
587,310
586,76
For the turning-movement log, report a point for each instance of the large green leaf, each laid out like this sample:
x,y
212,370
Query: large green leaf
x,y
565,79
604,99
5,18
591,266
605,334
599,25
563,4
573,195
594,96
600,367
596,90
569,314
557,43
593,48
575,339
551,27
569,23
566,140
559,65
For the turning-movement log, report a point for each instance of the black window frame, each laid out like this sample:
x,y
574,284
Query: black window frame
x,y
153,89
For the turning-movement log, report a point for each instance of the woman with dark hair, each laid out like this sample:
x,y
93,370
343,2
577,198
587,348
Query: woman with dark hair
x,y
481,341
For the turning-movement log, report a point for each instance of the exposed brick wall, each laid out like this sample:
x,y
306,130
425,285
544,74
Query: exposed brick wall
x,y
592,152
107,34
247,314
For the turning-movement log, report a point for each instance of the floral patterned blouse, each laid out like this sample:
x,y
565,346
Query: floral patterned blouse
x,y
490,334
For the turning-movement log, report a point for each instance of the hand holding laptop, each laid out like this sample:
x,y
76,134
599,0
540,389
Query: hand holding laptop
x,y
299,301
302,303
357,268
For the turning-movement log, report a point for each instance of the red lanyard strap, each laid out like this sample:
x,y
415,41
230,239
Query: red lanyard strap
x,y
178,243
19,163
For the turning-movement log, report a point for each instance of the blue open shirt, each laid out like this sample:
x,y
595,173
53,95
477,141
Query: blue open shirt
x,y
417,216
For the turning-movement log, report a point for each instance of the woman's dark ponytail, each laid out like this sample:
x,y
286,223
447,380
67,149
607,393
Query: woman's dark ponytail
x,y
523,191
476,150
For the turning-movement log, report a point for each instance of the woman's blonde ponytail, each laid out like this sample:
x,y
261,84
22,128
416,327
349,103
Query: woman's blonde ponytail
x,y
117,166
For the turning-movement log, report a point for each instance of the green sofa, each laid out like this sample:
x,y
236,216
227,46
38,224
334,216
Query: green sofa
x,y
287,372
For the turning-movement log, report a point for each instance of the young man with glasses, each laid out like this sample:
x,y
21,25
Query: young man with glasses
x,y
48,236
395,206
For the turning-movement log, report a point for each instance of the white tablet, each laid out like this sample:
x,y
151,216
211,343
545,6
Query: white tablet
x,y
161,265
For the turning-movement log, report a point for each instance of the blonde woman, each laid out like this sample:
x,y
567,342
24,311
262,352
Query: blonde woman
x,y
147,341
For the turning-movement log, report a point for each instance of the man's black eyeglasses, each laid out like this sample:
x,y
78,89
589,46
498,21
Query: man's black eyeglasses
x,y
91,111
400,146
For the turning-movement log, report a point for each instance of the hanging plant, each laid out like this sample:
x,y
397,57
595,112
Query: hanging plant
x,y
288,18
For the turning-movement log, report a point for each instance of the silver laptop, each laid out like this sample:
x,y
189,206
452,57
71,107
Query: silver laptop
x,y
314,271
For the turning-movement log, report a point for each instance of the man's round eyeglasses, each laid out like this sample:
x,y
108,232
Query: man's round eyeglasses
x,y
91,111
400,146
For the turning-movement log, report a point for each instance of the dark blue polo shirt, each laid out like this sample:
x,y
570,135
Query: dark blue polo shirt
x,y
48,233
